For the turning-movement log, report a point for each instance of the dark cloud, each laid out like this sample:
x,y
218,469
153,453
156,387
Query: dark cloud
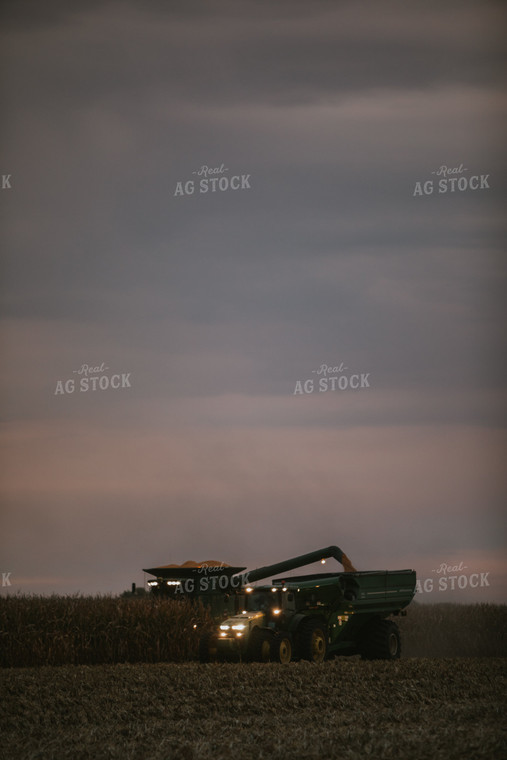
x,y
245,53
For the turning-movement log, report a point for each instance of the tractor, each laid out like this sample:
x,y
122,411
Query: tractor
x,y
304,617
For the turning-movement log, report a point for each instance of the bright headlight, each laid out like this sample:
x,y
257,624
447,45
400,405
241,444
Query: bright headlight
x,y
224,627
239,627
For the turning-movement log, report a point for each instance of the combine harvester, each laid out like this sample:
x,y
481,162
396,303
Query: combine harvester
x,y
309,617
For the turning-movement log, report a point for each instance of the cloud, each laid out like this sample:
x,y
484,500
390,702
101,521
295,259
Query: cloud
x,y
101,500
217,304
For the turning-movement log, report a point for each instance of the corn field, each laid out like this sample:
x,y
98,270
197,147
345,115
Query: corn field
x,y
97,630
77,630
454,630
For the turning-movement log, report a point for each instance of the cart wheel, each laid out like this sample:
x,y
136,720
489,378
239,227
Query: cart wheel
x,y
281,649
313,641
380,640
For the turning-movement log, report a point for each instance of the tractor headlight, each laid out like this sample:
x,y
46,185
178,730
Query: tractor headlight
x,y
239,627
224,627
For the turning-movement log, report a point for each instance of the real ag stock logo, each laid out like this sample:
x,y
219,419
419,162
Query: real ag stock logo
x,y
332,378
91,378
451,179
452,578
212,179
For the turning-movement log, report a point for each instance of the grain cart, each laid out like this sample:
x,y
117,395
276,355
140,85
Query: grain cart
x,y
310,617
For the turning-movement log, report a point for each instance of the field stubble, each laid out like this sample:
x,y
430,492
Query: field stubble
x,y
114,678
411,709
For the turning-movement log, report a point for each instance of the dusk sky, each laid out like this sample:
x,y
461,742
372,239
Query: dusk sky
x,y
354,160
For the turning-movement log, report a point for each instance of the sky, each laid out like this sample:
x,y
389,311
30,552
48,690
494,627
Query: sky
x,y
252,289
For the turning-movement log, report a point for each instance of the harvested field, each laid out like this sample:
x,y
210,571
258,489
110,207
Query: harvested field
x,y
411,709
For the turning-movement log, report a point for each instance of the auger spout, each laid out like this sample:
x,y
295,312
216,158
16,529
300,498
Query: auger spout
x,y
304,559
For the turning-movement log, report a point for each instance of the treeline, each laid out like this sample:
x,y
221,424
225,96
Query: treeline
x,y
82,630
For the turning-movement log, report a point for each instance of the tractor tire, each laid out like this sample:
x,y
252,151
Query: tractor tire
x,y
259,646
281,648
208,650
380,640
313,640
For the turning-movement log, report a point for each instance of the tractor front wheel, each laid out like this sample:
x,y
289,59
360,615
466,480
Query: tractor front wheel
x,y
259,645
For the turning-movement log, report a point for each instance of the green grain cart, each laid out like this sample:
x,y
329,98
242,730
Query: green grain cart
x,y
309,617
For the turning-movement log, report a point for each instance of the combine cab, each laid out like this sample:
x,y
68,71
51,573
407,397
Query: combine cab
x,y
309,617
